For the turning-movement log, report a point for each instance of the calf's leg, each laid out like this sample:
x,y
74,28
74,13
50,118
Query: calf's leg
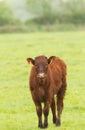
x,y
39,113
60,97
53,109
46,112
59,109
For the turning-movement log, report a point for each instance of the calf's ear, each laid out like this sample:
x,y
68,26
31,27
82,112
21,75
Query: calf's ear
x,y
50,59
30,60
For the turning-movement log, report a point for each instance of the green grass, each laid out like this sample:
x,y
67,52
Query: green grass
x,y
17,110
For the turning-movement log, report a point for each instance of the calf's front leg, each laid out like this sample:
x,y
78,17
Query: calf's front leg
x,y
53,108
39,114
46,112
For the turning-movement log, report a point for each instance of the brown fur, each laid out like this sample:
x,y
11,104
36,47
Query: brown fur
x,y
43,91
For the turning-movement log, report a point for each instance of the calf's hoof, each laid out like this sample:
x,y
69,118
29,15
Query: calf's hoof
x,y
58,123
45,125
40,126
54,120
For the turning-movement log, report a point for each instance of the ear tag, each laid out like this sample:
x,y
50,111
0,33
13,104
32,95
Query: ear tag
x,y
51,61
31,63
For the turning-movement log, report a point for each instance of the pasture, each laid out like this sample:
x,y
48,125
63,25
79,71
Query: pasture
x,y
17,110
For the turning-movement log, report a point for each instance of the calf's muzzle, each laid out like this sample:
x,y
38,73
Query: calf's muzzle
x,y
41,75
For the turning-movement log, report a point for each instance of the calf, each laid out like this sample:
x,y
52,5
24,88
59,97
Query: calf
x,y
48,78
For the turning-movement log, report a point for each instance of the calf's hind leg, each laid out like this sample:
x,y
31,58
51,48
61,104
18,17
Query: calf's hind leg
x,y
60,97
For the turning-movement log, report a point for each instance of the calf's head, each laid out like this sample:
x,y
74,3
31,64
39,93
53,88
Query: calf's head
x,y
41,65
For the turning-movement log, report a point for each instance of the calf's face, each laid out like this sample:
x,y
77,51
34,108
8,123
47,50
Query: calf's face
x,y
41,65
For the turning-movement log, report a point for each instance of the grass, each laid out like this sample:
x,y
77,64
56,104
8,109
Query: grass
x,y
17,110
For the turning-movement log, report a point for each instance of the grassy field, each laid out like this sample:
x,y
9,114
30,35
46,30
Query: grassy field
x,y
17,110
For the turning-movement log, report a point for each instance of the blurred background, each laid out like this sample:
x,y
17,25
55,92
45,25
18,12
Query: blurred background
x,y
41,15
